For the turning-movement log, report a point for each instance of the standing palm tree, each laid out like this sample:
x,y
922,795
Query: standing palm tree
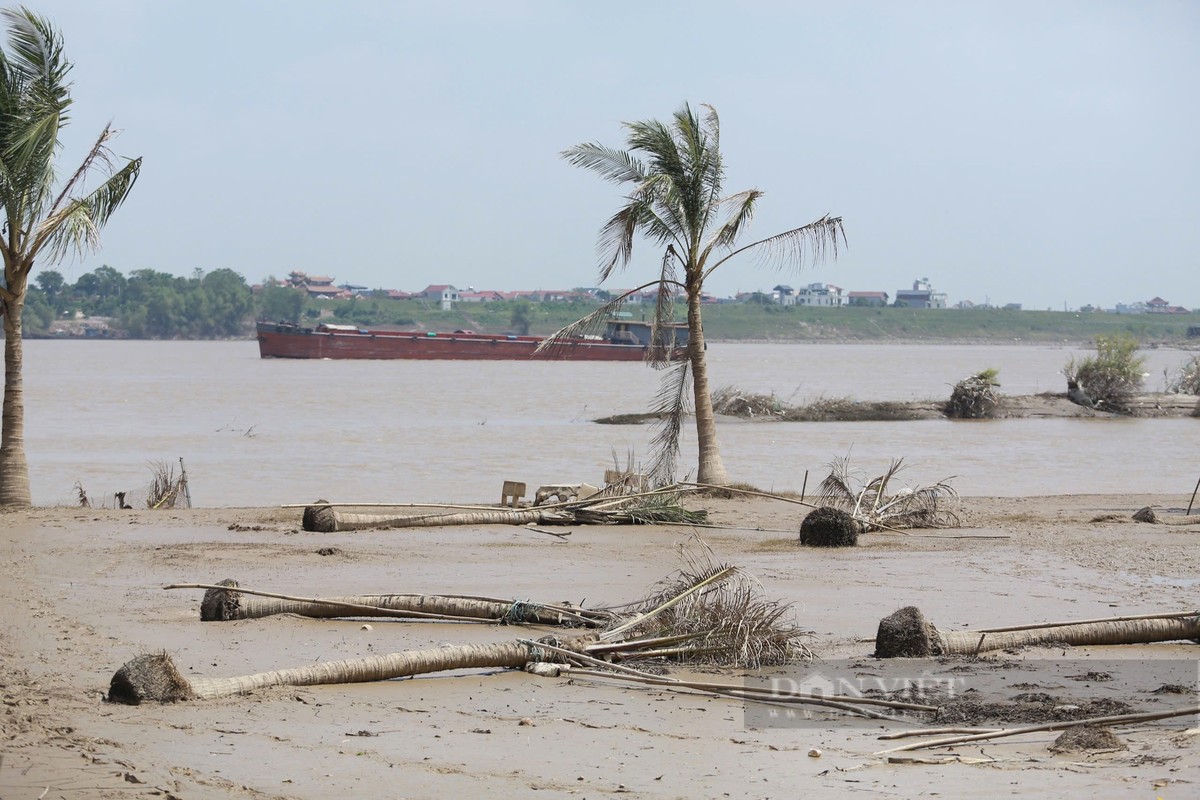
x,y
36,219
675,175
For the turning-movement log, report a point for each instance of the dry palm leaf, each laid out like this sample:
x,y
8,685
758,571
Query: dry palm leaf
x,y
876,504
706,613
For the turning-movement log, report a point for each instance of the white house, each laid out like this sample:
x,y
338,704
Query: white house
x,y
820,294
444,294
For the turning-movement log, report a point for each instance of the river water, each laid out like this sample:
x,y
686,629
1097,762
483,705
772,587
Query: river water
x,y
256,432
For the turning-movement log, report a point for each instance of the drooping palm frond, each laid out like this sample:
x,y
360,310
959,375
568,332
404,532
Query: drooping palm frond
x,y
662,331
671,406
76,226
592,324
741,210
809,244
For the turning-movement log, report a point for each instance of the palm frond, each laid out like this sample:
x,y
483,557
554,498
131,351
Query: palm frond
x,y
618,166
77,224
662,335
590,325
99,153
837,488
672,406
615,242
708,612
874,504
811,243
38,95
741,207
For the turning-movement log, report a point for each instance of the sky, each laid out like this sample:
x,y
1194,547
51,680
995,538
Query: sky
x,y
1043,153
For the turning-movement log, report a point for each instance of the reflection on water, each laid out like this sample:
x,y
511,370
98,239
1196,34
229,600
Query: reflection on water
x,y
256,432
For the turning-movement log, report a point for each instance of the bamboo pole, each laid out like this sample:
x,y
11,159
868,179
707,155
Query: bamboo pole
x,y
935,732
1120,719
1197,489
757,693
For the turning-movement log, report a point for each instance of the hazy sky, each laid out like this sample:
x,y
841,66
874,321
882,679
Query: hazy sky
x,y
1033,152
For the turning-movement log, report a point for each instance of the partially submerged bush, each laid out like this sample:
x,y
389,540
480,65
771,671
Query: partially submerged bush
x,y
731,402
1109,379
975,397
1187,381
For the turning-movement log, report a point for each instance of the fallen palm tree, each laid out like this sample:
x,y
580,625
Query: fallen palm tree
x,y
226,600
707,613
876,505
605,508
907,634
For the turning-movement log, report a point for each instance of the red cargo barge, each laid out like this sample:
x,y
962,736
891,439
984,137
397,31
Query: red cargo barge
x,y
623,340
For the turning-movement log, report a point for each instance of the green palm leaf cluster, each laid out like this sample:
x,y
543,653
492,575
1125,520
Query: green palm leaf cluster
x,y
38,216
673,175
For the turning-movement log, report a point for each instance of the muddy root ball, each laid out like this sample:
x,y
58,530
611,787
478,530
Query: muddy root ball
x,y
905,634
151,677
319,518
1145,514
221,605
829,527
1087,738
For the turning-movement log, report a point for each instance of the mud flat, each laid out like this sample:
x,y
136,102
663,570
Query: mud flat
x,y
82,593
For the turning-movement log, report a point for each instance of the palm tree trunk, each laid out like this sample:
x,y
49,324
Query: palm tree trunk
x,y
906,633
710,468
1141,631
325,519
231,604
14,470
154,677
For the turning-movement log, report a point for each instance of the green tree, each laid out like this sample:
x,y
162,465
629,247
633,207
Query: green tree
x,y
51,283
230,303
38,313
40,218
102,291
674,176
521,319
280,303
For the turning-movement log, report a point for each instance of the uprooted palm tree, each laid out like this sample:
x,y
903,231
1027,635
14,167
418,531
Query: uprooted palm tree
x,y
40,220
906,633
707,613
875,504
675,175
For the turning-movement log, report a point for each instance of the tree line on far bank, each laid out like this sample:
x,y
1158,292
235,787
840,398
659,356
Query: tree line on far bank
x,y
148,304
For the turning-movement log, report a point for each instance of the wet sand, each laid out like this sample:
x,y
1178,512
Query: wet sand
x,y
82,593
